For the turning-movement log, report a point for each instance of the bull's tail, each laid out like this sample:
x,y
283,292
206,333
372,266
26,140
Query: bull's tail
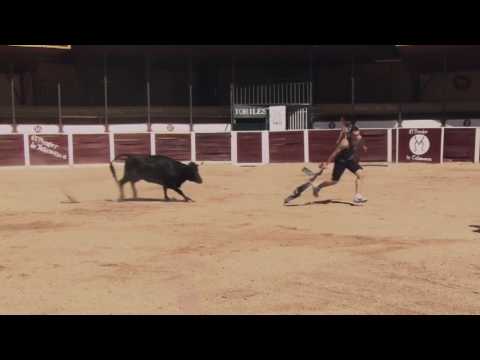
x,y
112,169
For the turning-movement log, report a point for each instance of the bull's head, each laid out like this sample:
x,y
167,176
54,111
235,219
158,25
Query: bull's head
x,y
195,174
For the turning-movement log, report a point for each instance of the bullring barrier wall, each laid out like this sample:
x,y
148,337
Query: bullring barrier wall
x,y
43,146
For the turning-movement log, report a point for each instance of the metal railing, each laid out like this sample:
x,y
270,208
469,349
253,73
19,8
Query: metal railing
x,y
283,93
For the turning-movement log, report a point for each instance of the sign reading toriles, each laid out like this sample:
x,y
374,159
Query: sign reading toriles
x,y
39,144
419,145
250,112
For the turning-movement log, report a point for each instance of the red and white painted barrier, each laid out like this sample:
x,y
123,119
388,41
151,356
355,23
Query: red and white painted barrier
x,y
12,150
377,143
136,143
249,147
176,146
321,144
213,146
423,145
49,149
286,146
459,144
91,148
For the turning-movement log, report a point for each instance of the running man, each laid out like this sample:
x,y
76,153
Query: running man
x,y
346,156
346,127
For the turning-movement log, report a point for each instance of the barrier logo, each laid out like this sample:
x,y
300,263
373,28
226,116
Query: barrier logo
x,y
419,144
37,129
170,127
38,143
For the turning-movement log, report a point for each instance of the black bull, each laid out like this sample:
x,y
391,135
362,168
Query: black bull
x,y
158,169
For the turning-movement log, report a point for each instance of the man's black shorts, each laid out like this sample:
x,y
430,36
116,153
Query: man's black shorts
x,y
341,165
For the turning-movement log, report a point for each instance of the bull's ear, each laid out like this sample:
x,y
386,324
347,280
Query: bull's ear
x,y
191,163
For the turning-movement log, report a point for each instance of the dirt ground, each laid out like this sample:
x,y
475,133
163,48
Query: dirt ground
x,y
237,250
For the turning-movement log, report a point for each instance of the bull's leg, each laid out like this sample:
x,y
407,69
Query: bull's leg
x,y
165,194
134,190
181,193
120,186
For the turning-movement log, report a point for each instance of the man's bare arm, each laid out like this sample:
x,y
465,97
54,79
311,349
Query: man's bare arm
x,y
340,136
333,155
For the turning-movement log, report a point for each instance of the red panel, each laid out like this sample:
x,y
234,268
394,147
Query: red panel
x,y
132,144
175,146
249,147
91,149
48,149
11,150
286,146
213,147
459,145
419,145
377,144
321,144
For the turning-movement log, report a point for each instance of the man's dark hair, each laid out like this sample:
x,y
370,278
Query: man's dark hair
x,y
355,128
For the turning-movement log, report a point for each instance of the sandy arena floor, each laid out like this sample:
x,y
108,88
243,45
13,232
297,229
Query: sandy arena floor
x,y
238,250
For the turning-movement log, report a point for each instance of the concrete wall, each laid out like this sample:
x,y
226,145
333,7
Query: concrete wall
x,y
4,90
433,87
381,83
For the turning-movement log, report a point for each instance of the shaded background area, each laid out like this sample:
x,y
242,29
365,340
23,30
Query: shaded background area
x,y
194,83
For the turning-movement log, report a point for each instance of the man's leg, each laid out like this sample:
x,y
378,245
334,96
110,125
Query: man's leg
x,y
358,181
337,174
359,178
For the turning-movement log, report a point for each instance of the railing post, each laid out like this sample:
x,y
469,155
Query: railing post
x,y
147,73
190,107
149,120
444,91
231,106
60,116
12,95
105,91
190,91
353,91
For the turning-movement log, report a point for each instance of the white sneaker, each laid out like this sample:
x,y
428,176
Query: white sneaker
x,y
359,199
